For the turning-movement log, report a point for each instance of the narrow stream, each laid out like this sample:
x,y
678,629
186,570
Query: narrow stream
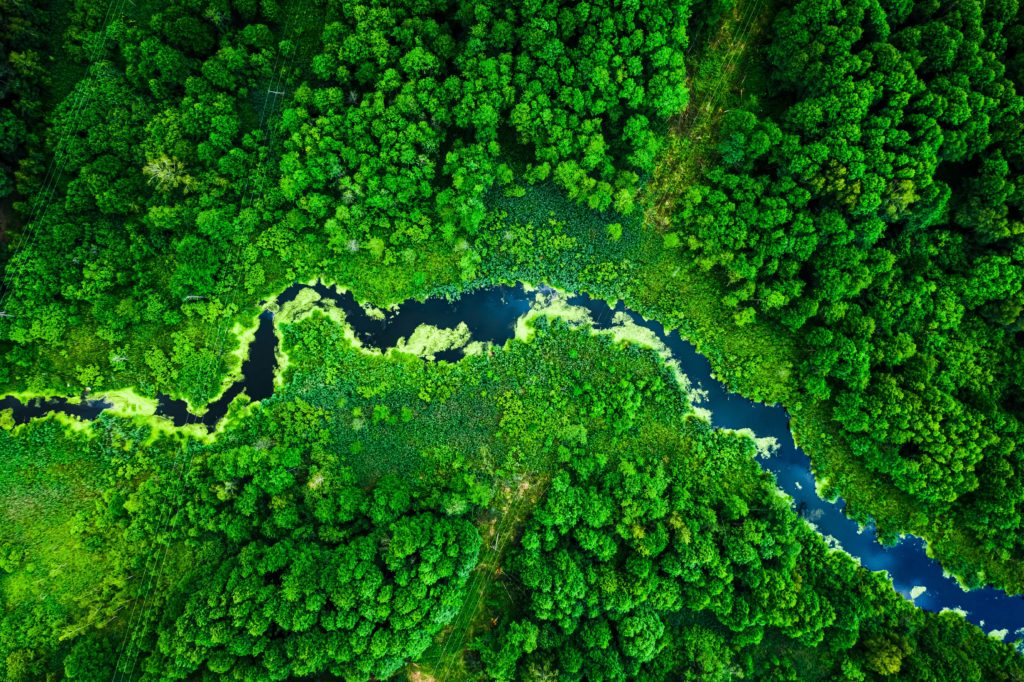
x,y
491,316
257,381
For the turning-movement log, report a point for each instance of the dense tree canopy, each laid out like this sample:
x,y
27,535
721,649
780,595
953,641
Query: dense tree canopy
x,y
411,121
210,151
879,213
313,573
848,235
498,517
24,81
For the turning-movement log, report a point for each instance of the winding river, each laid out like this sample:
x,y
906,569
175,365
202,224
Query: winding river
x,y
491,316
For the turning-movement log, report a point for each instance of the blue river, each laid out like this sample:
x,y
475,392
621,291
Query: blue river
x,y
491,316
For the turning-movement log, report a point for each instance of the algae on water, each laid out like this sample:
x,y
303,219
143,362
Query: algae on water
x,y
303,304
427,340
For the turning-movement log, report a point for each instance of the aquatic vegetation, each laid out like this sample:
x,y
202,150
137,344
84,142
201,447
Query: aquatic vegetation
x,y
291,481
427,340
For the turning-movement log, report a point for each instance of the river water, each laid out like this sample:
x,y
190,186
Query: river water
x,y
491,316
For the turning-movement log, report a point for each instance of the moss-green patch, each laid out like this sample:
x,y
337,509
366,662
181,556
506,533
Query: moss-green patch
x,y
373,312
159,427
47,479
244,334
427,340
766,446
477,348
305,301
555,306
128,403
625,330
71,422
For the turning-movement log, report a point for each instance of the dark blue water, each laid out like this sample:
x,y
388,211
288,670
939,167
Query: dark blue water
x,y
491,316
907,563
257,381
40,407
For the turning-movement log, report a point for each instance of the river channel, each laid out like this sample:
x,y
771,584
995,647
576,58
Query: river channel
x,y
491,316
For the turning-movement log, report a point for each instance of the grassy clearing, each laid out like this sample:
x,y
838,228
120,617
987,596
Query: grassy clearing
x,y
485,604
727,72
47,482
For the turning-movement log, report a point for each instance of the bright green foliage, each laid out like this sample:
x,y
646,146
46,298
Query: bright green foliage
x,y
642,565
634,542
312,574
155,158
619,546
879,213
59,515
551,510
214,152
410,120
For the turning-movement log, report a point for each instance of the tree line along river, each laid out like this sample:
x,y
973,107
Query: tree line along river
x,y
491,315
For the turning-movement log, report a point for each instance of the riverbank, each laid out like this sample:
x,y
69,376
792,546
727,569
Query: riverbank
x,y
190,351
494,317
494,438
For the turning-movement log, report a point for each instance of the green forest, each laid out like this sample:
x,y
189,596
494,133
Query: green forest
x,y
824,197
